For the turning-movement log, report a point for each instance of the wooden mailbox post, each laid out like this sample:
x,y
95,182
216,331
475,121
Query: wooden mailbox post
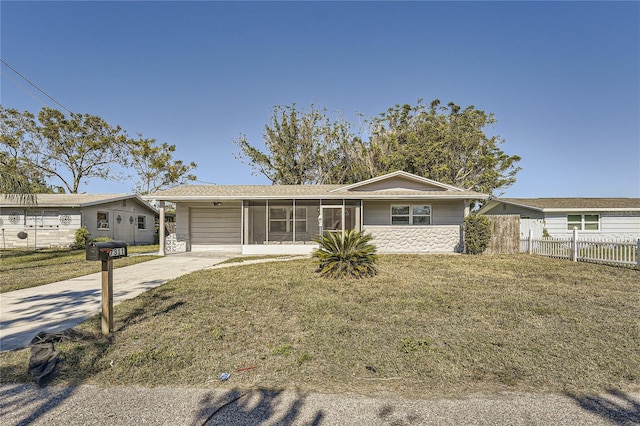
x,y
106,252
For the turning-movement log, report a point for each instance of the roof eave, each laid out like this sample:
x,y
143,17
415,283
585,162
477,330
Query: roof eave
x,y
591,209
326,196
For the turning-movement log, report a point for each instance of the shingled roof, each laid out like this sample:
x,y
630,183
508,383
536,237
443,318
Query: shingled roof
x,y
557,204
73,200
417,187
195,192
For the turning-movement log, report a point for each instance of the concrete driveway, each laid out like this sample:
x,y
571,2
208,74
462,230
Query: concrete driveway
x,y
58,306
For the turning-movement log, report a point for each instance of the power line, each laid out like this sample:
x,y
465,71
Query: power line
x,y
25,89
39,89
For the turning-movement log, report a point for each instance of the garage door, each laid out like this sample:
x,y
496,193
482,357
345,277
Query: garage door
x,y
220,225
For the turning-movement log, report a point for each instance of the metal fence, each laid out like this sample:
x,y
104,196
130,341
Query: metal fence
x,y
623,253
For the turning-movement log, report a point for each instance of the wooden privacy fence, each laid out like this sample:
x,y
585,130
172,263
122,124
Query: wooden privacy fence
x,y
505,234
623,253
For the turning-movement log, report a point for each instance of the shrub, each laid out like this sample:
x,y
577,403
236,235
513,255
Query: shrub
x,y
477,233
348,254
82,238
101,240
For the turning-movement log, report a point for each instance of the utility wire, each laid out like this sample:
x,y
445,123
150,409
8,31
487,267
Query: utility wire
x,y
25,89
39,89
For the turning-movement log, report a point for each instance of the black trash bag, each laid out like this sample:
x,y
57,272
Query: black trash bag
x,y
44,355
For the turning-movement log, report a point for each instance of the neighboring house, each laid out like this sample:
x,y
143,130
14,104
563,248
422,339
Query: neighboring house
x,y
54,219
404,213
592,217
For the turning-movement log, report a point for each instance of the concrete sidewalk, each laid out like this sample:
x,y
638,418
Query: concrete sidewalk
x,y
82,405
58,306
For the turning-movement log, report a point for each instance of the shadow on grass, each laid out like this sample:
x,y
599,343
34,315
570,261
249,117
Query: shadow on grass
x,y
616,407
255,407
79,360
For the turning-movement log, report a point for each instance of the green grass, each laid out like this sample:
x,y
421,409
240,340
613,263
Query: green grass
x,y
24,269
425,326
242,259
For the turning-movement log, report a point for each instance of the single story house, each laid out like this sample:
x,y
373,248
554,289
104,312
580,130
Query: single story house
x,y
404,213
601,218
53,220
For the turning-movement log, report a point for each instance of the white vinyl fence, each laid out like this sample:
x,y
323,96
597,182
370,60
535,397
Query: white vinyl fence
x,y
624,253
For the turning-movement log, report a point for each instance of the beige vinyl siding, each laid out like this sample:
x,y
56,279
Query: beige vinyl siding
x,y
442,212
215,225
397,183
376,213
448,212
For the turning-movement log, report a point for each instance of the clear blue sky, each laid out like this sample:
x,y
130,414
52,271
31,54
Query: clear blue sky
x,y
562,78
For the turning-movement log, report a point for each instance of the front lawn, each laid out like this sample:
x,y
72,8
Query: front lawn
x,y
27,268
425,326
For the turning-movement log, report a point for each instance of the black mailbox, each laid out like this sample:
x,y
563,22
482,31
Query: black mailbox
x,y
107,250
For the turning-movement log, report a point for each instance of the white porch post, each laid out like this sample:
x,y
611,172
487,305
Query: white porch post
x,y
161,230
242,222
466,208
293,228
266,221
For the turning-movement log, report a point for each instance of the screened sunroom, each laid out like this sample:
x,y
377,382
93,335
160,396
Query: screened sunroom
x,y
292,221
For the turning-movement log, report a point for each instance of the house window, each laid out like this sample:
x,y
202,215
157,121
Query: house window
x,y
103,220
400,215
411,215
421,215
142,223
281,219
583,222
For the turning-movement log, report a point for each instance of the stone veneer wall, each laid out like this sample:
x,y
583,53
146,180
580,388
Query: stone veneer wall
x,y
417,239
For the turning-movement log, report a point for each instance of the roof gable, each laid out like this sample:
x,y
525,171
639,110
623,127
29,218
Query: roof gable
x,y
398,181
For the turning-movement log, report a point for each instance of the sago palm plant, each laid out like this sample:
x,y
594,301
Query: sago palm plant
x,y
345,255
